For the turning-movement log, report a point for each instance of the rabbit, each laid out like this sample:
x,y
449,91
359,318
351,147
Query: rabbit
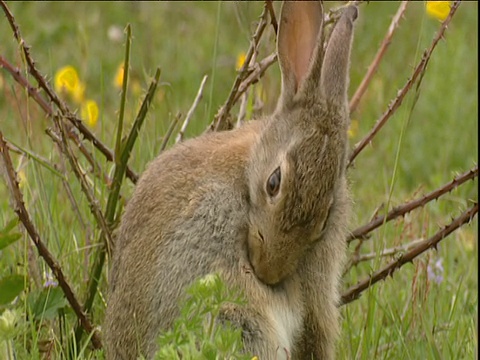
x,y
266,206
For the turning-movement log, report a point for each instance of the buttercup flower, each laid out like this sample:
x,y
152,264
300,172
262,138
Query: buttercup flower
x,y
89,112
67,80
439,9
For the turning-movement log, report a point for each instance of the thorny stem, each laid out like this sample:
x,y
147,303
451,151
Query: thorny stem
x,y
417,73
355,291
43,251
361,232
355,100
52,96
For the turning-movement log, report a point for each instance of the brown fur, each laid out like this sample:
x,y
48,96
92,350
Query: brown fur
x,y
202,207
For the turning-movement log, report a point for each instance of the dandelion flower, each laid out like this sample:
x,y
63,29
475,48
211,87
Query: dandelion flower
x,y
67,80
439,9
240,60
89,111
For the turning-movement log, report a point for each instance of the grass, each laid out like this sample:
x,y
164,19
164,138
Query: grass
x,y
427,142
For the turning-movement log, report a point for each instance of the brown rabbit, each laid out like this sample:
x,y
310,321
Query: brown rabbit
x,y
270,196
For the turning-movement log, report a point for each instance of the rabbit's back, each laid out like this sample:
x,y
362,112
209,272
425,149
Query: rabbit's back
x,y
186,219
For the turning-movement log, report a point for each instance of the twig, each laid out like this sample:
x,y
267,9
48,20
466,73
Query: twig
x,y
169,132
418,72
191,110
96,168
243,109
222,115
358,258
273,18
23,215
401,210
94,205
32,91
76,122
256,74
355,291
378,57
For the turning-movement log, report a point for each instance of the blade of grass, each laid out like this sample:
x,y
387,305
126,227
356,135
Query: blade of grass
x,y
30,155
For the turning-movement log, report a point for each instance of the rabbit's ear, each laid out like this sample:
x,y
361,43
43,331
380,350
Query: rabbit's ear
x,y
299,43
334,77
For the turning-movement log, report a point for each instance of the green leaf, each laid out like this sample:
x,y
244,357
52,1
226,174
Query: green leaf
x,y
10,287
8,239
48,302
10,225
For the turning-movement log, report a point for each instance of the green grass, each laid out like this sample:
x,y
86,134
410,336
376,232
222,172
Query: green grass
x,y
408,316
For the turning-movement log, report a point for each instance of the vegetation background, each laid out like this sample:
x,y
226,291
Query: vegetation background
x,y
428,310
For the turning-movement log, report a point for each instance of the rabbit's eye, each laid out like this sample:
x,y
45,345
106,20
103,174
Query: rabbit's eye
x,y
273,183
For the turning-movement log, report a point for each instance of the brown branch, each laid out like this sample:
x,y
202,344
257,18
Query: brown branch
x,y
220,121
79,173
418,72
378,57
169,132
23,215
32,91
355,291
256,74
96,168
401,210
191,110
52,96
273,18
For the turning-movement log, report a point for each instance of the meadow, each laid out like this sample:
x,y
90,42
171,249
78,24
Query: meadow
x,y
427,309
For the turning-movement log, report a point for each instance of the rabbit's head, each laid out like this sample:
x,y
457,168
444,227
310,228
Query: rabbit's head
x,y
296,165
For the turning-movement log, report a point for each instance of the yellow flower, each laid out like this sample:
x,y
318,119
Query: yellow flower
x,y
240,60
89,112
118,81
439,9
67,80
353,129
255,358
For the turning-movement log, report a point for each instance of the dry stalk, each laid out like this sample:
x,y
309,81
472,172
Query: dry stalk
x,y
355,291
169,132
417,75
357,258
191,110
354,101
24,216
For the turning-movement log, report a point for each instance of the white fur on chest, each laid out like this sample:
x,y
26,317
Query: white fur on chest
x,y
287,323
